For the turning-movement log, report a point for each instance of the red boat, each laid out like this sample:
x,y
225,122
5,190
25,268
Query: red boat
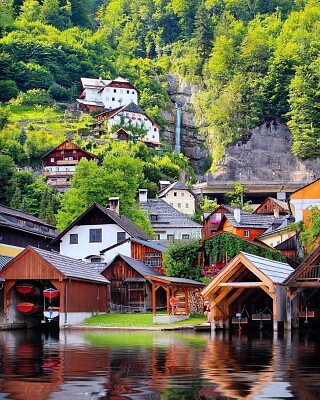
x,y
51,293
29,308
25,288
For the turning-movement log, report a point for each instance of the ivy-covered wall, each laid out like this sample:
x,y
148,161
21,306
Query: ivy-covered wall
x,y
225,246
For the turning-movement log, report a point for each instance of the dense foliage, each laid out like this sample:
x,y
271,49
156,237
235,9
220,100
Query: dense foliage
x,y
180,260
226,246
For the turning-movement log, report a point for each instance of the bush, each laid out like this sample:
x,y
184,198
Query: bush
x,y
8,90
32,97
58,92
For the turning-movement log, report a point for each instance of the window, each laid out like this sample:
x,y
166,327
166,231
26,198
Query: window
x,y
132,92
121,236
73,238
128,92
215,217
153,259
114,90
179,205
52,159
185,236
95,235
187,205
170,237
153,217
171,204
74,151
155,129
121,91
113,99
62,151
182,194
95,259
246,233
175,194
158,236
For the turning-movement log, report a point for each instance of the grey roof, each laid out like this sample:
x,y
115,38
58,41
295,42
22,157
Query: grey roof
x,y
184,281
125,223
174,186
275,270
90,103
4,261
168,216
248,220
26,222
283,224
137,265
71,267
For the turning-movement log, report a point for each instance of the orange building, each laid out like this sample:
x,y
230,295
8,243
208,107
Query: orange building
x,y
303,199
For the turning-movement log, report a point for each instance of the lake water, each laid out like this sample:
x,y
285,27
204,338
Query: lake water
x,y
158,365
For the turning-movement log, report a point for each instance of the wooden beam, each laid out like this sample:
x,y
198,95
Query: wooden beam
x,y
234,296
242,284
154,305
221,296
315,284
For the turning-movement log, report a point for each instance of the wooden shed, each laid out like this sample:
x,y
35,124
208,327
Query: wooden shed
x,y
130,287
249,290
45,286
303,300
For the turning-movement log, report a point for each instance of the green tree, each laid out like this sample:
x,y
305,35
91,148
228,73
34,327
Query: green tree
x,y
235,198
7,170
311,231
180,260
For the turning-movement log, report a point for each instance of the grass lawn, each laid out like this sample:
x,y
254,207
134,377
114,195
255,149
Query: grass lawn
x,y
138,320
29,113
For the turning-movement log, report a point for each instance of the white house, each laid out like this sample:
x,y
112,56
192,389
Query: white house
x,y
131,115
106,94
96,229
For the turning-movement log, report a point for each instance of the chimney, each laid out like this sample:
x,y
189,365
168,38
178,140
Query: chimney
x,y
276,212
143,195
114,204
237,214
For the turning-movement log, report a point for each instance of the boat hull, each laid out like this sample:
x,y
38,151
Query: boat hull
x,y
29,308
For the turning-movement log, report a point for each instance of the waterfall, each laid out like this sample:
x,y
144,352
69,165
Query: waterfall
x,y
177,147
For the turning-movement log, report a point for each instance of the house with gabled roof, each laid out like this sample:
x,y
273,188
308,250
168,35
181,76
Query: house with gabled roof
x,y
249,290
59,164
100,94
273,206
303,305
248,225
146,251
130,289
303,199
130,115
80,291
180,197
97,228
167,222
211,220
19,229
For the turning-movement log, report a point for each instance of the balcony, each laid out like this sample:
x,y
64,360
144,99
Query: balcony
x,y
59,183
57,173
67,162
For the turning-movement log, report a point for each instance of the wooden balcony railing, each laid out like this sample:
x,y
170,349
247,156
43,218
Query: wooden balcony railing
x,y
67,162
57,173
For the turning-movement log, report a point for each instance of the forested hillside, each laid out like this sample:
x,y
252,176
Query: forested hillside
x,y
254,60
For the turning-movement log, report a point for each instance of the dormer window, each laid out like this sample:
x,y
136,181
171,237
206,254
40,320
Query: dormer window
x,y
154,217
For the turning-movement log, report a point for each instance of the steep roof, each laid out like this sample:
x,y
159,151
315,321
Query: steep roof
x,y
4,260
26,222
174,186
147,243
276,271
137,265
125,223
313,260
67,266
72,147
229,209
251,220
178,281
97,83
167,216
283,205
315,183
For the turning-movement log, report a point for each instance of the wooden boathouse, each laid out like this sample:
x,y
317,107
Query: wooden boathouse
x,y
249,290
303,288
182,297
80,291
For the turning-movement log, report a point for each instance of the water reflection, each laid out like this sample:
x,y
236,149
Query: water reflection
x,y
157,365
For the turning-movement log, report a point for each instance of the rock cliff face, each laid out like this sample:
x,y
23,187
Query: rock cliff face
x,y
192,144
265,157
